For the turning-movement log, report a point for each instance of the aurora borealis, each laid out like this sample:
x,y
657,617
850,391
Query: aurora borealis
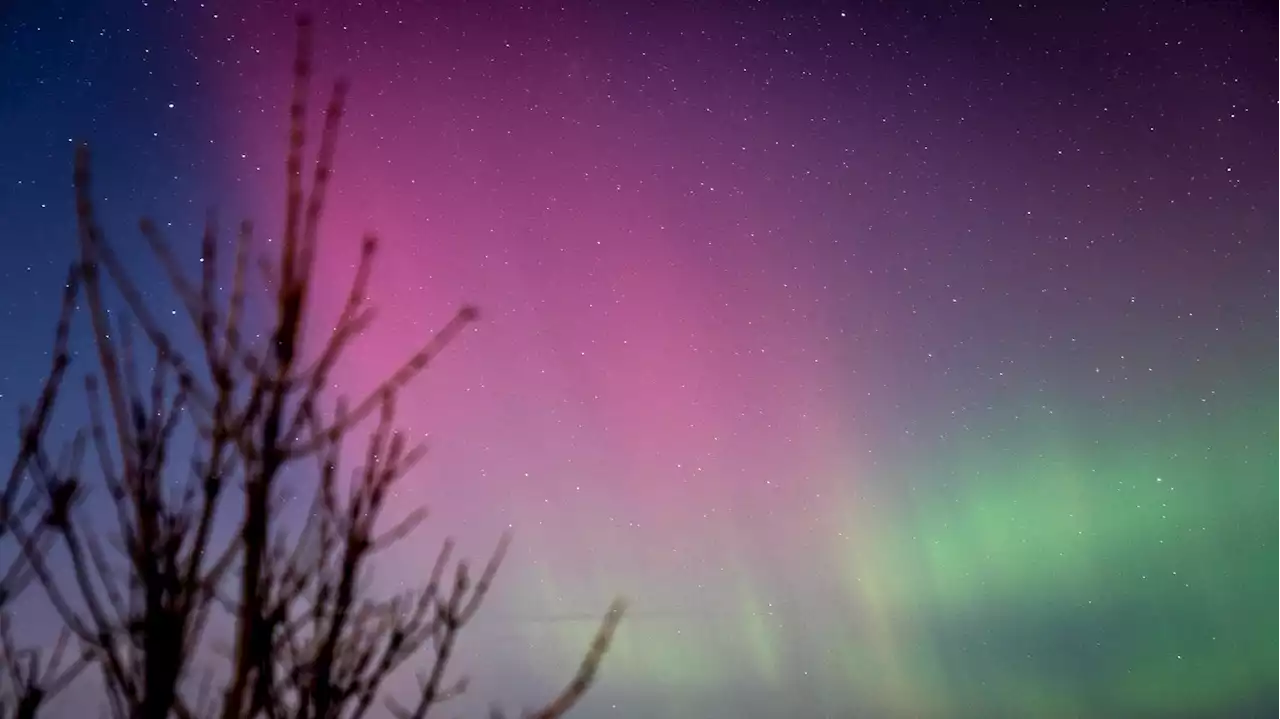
x,y
894,360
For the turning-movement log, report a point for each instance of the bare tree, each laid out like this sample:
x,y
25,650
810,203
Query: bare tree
x,y
28,677
309,640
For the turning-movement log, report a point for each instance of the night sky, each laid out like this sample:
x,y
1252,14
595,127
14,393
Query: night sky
x,y
894,359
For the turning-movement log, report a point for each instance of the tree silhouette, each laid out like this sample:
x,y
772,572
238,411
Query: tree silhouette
x,y
309,640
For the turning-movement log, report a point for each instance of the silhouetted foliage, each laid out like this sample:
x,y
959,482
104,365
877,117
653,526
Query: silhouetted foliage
x,y
308,641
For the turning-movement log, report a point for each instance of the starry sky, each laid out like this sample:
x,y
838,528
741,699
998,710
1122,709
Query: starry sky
x,y
893,359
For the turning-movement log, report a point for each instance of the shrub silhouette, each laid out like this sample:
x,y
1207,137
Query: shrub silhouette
x,y
307,642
